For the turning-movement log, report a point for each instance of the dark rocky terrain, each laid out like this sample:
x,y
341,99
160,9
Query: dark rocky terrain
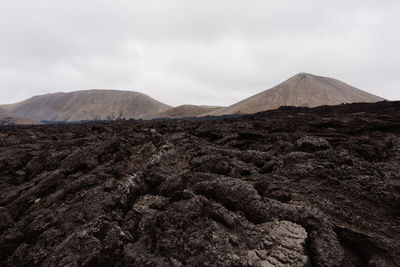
x,y
289,187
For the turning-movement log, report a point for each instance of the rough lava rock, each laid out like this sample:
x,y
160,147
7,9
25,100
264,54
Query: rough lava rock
x,y
289,187
312,144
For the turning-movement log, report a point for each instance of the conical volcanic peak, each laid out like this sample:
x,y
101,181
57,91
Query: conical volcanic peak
x,y
303,90
87,105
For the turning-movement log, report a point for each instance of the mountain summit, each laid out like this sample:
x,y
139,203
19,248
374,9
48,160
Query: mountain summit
x,y
87,105
303,89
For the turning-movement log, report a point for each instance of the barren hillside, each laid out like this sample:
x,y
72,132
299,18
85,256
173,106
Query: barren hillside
x,y
185,111
87,105
7,119
302,90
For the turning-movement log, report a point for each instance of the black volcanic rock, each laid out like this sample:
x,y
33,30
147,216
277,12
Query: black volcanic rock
x,y
287,187
312,144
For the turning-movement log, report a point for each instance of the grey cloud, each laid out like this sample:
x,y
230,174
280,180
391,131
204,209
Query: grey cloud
x,y
201,52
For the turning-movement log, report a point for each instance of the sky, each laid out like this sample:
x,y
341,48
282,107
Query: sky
x,y
211,52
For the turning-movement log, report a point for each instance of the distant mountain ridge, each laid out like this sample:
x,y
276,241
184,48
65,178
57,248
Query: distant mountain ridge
x,y
186,111
7,119
303,89
87,105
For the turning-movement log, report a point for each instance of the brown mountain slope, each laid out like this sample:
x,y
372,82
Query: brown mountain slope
x,y
87,105
185,111
7,119
300,90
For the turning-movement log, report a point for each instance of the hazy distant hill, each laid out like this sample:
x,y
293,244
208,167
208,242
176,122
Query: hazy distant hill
x,y
87,105
185,111
7,119
301,90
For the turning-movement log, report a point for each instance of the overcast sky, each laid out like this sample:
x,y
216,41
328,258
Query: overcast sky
x,y
212,52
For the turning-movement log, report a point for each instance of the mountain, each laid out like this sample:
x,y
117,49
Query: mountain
x,y
185,111
300,90
87,105
7,119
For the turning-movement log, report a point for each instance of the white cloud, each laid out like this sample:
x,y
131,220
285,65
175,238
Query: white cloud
x,y
201,52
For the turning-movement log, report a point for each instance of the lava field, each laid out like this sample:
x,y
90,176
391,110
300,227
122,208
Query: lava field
x,y
289,187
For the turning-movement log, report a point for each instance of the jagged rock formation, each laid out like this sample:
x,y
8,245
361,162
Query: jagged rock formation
x,y
87,105
289,187
302,90
185,111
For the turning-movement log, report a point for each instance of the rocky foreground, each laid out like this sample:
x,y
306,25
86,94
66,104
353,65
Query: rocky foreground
x,y
290,187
